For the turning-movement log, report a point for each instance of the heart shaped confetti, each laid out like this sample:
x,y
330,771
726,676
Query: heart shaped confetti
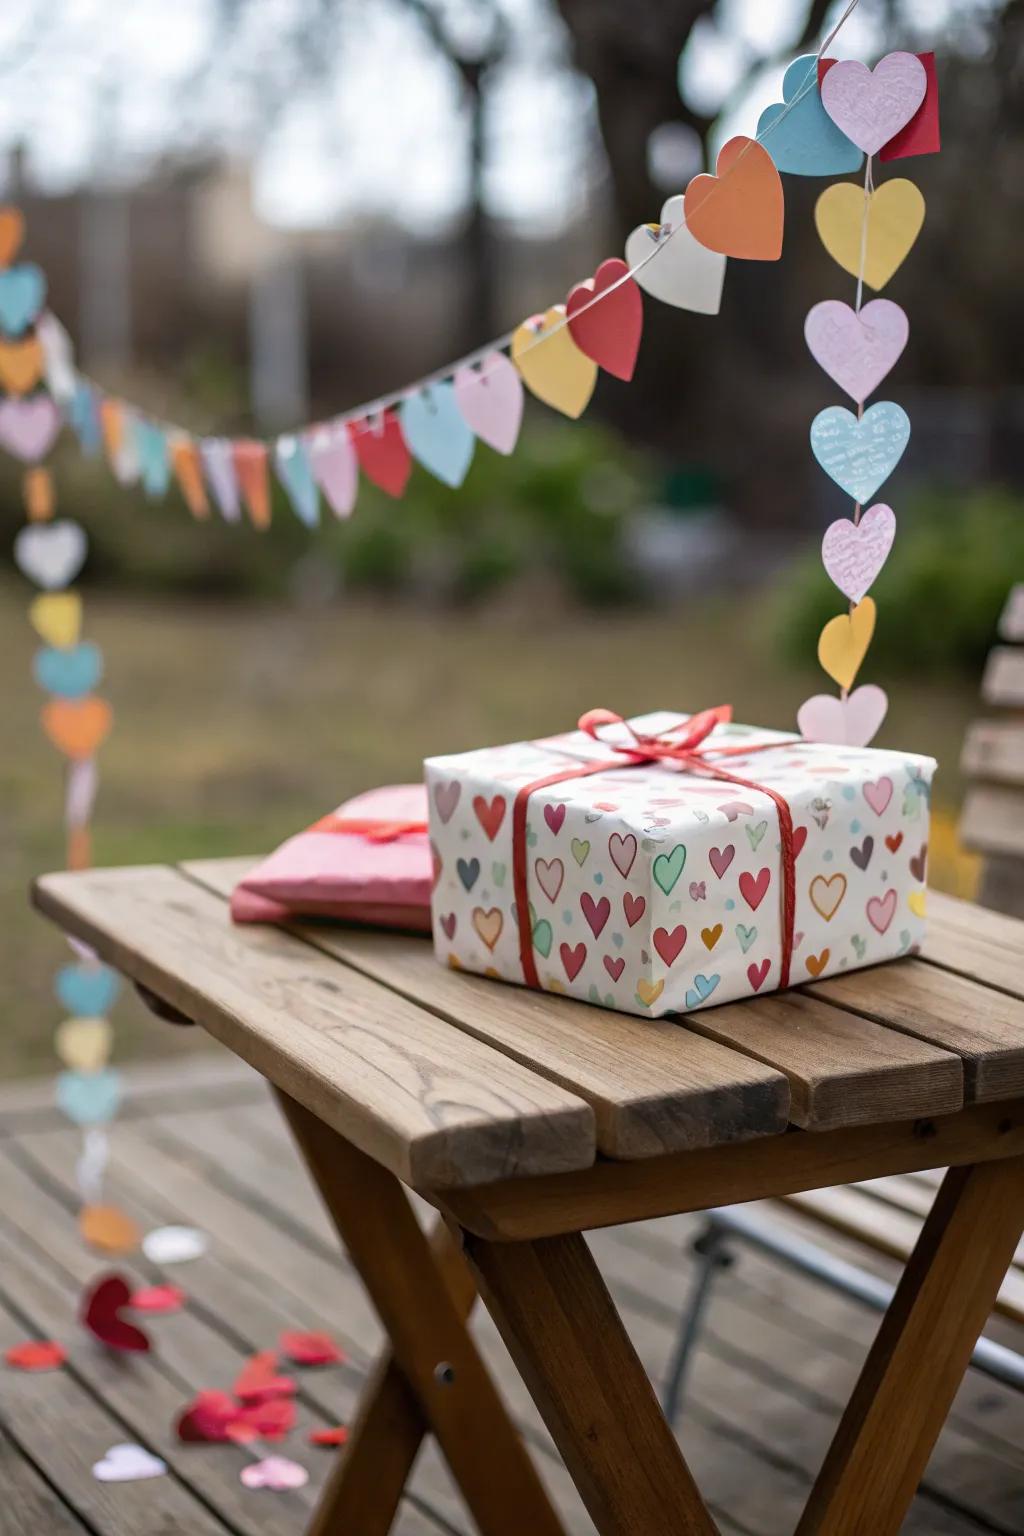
x,y
128,1464
551,364
336,1435
108,1229
854,553
36,1355
158,1298
606,318
310,1348
258,1381
277,1474
861,454
174,1245
101,1313
51,554
856,348
797,131
851,722
894,219
207,1418
740,210
490,398
843,642
676,268
871,106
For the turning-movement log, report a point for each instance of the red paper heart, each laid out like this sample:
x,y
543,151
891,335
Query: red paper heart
x,y
207,1417
310,1348
158,1298
336,1436
270,1420
36,1355
258,1381
608,331
101,1309
382,452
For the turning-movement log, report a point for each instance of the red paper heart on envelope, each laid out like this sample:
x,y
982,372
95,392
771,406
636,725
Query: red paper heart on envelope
x,y
607,331
101,1314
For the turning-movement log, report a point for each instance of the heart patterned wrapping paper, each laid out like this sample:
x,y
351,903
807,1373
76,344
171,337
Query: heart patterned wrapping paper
x,y
656,890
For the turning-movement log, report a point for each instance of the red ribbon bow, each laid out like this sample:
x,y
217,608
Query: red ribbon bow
x,y
373,828
679,744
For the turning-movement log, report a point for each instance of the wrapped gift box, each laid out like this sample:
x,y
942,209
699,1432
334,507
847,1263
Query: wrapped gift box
x,y
652,888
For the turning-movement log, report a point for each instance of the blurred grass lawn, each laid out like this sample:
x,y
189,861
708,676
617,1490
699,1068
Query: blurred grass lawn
x,y
236,725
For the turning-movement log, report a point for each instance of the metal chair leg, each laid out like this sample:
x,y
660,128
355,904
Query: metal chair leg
x,y
712,1256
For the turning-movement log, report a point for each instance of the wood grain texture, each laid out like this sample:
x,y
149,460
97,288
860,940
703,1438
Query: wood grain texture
x,y
843,1068
428,1102
983,1027
993,818
29,1504
425,1322
916,1363
654,1086
973,941
611,1193
565,1335
994,751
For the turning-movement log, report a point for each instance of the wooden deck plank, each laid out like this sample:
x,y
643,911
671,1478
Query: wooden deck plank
x,y
654,1086
29,1504
433,1105
974,942
984,1028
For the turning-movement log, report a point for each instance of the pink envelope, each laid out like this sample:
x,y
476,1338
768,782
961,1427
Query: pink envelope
x,y
367,862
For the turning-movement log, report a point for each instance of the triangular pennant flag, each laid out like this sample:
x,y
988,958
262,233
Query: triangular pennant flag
x,y
250,460
335,468
188,471
220,473
154,460
296,475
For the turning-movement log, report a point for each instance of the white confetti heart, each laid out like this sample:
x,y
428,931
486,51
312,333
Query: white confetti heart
x,y
51,554
174,1245
128,1464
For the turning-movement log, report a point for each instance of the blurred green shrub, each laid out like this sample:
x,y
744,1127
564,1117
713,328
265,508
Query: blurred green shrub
x,y
940,593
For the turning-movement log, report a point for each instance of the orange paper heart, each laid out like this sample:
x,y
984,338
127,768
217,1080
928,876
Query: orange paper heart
x,y
38,494
21,365
740,210
77,726
12,233
108,1229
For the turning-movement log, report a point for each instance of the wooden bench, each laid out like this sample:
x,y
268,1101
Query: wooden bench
x,y
527,1120
993,762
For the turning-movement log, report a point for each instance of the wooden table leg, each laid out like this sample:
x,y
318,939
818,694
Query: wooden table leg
x,y
916,1363
566,1336
423,1293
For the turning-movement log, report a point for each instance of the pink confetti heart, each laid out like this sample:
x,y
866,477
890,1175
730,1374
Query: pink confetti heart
x,y
854,553
276,1473
490,400
850,722
29,428
871,106
856,349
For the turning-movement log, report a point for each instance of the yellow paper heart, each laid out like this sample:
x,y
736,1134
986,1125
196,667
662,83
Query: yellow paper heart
x,y
554,368
21,365
84,1044
916,901
843,642
895,215
649,991
57,617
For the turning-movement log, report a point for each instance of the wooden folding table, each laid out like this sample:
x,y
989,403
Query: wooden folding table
x,y
528,1119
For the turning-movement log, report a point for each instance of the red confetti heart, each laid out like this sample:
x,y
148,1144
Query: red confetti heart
x,y
336,1436
37,1355
310,1348
271,1420
208,1417
258,1381
158,1298
101,1314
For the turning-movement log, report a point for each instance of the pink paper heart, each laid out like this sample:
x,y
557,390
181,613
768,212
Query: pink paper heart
x,y
490,400
335,469
871,106
28,428
854,553
277,1473
856,349
849,722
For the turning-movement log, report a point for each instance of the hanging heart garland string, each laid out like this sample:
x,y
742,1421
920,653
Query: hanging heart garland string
x,y
50,552
857,348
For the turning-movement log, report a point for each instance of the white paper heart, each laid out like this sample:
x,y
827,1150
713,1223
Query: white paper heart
x,y
871,106
80,792
58,358
128,1464
684,272
490,399
850,722
51,554
174,1245
92,1165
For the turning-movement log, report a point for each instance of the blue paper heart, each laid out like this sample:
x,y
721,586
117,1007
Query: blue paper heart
x,y
437,434
702,988
84,416
469,870
89,1098
70,673
88,990
22,296
860,455
154,459
806,142
296,475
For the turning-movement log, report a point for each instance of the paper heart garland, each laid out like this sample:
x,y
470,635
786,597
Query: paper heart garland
x,y
609,330
894,220
843,643
218,463
128,1464
21,365
152,457
335,469
296,475
551,364
58,358
856,348
802,139
490,397
84,1044
57,618
683,272
51,554
871,106
87,989
77,727
854,553
29,428
89,1098
22,296
12,233
382,452
101,1314
850,722
860,455
249,462
437,434
68,672
740,210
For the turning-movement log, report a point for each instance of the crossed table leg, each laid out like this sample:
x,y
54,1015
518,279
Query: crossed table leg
x,y
569,1343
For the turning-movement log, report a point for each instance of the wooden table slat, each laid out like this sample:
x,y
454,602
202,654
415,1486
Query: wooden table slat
x,y
429,1103
975,942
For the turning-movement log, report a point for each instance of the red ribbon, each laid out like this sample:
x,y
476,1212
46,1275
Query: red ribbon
x,y
373,828
680,744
